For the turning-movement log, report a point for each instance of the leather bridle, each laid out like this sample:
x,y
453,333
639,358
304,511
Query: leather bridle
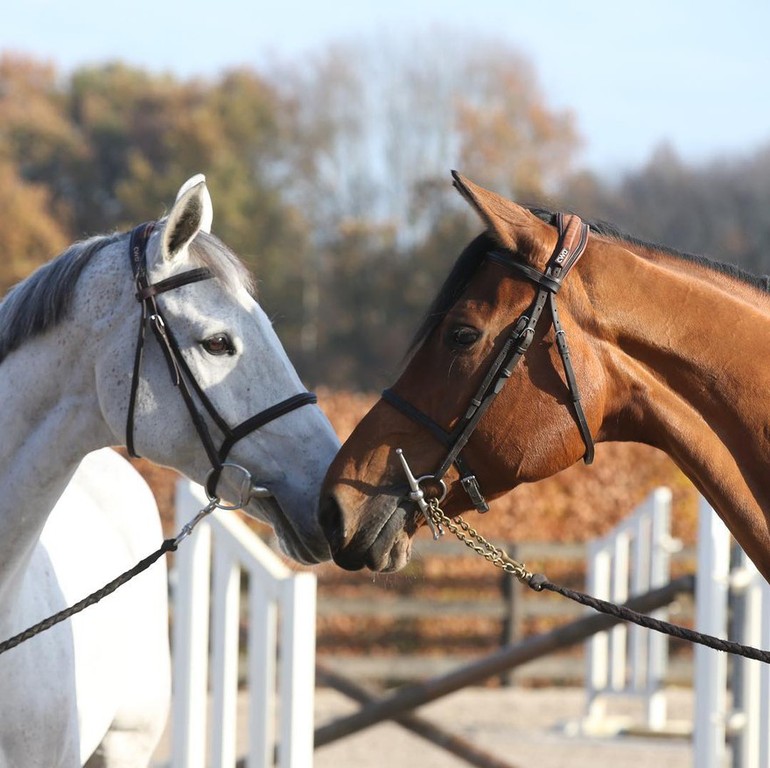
x,y
182,377
572,240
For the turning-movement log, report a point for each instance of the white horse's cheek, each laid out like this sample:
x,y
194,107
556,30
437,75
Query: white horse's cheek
x,y
112,391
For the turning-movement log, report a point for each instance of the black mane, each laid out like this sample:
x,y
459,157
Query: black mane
x,y
473,255
607,229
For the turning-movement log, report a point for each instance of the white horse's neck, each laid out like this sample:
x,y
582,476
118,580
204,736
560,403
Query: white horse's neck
x,y
45,435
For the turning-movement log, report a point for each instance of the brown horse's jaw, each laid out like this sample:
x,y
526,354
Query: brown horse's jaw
x,y
381,543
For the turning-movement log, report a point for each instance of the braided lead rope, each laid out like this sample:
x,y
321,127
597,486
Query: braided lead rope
x,y
168,545
538,582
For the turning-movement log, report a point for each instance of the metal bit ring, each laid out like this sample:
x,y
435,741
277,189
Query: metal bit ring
x,y
432,479
247,488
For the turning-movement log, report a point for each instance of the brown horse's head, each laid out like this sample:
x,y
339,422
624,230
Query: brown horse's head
x,y
528,432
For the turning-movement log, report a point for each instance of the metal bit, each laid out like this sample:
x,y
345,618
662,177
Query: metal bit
x,y
418,495
259,492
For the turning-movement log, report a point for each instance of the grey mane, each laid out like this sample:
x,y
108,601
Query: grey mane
x,y
44,299
39,302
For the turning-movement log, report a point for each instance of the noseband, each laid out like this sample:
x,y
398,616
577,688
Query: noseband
x,y
573,237
182,377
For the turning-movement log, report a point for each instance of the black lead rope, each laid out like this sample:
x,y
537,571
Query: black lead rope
x,y
539,582
169,545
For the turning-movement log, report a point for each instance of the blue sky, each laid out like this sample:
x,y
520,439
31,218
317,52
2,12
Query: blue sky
x,y
693,74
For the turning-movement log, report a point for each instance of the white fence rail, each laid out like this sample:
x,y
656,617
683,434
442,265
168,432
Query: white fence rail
x,y
280,647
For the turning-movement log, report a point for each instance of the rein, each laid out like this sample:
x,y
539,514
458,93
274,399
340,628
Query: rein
x,y
539,582
168,545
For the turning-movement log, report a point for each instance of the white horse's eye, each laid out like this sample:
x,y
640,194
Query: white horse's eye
x,y
219,344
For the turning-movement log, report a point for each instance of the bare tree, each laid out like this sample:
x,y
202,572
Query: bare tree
x,y
386,119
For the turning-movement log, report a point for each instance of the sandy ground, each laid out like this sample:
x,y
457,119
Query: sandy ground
x,y
526,728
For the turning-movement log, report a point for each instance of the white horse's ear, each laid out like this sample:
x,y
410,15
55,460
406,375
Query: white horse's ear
x,y
191,213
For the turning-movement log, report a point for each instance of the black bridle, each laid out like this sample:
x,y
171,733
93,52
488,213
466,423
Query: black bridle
x,y
573,237
182,377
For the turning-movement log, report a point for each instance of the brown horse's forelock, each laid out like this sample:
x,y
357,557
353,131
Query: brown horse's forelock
x,y
454,285
473,255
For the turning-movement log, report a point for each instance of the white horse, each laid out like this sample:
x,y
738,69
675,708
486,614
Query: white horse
x,y
81,693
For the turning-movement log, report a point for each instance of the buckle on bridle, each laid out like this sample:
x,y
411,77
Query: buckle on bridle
x,y
471,486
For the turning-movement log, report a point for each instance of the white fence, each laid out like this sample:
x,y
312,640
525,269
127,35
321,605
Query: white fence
x,y
731,601
731,694
628,660
280,649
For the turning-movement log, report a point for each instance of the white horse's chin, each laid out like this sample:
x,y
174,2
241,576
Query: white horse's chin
x,y
300,547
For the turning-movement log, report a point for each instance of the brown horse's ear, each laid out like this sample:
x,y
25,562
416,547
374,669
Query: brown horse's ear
x,y
514,227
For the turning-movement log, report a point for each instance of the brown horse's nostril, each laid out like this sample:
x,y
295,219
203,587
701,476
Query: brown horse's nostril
x,y
330,518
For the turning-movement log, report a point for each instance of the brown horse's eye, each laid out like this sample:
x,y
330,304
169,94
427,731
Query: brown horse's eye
x,y
219,344
463,336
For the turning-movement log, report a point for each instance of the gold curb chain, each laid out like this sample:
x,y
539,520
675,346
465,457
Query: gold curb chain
x,y
475,541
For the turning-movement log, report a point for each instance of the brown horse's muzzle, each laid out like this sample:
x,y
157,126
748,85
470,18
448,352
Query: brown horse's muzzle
x,y
378,537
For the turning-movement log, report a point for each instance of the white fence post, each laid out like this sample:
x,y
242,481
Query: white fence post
x,y
739,595
659,574
723,586
298,672
190,641
281,610
763,710
711,617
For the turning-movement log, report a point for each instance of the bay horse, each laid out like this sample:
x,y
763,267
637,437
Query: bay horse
x,y
150,339
546,337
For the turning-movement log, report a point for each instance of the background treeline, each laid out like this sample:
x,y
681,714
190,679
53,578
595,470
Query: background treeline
x,y
330,177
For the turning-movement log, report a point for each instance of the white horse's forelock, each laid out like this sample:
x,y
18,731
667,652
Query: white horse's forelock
x,y
209,251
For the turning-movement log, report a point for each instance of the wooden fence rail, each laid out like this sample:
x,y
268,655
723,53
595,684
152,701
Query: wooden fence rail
x,y
499,602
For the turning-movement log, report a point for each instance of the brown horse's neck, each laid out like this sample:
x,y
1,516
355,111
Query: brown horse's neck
x,y
688,374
